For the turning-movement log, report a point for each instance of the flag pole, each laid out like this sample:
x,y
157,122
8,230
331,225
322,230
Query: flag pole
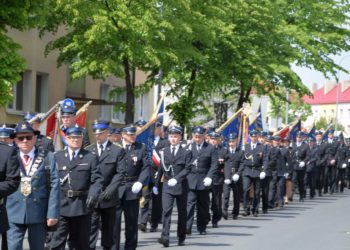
x,y
223,126
45,116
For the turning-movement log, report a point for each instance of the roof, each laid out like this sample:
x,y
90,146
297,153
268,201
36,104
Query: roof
x,y
330,98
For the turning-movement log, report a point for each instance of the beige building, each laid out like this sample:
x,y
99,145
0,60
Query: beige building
x,y
43,85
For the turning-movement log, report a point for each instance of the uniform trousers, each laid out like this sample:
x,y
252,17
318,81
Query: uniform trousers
x,y
216,202
198,199
248,184
236,188
36,236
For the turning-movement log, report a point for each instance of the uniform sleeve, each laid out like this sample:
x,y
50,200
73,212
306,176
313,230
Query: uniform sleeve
x,y
53,211
96,179
184,172
12,175
117,178
214,163
86,138
227,167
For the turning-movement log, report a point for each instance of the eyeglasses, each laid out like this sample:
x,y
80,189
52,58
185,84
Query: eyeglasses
x,y
28,138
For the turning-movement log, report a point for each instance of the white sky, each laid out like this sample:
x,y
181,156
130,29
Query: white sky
x,y
309,76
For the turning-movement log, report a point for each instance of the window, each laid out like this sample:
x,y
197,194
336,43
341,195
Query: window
x,y
118,116
340,113
17,92
105,109
21,94
41,95
75,87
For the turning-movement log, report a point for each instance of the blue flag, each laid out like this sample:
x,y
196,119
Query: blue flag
x,y
295,129
311,133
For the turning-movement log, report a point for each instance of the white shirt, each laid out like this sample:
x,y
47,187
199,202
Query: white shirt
x,y
156,140
70,151
31,155
232,150
199,146
253,145
176,148
99,147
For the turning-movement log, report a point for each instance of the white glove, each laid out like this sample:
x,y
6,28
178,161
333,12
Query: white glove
x,y
286,175
207,181
235,177
136,187
227,181
155,190
344,165
262,175
349,160
172,182
301,164
332,162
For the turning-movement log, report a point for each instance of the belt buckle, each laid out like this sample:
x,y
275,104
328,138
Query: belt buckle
x,y
70,194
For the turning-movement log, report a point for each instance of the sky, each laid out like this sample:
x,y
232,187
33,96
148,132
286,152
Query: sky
x,y
309,76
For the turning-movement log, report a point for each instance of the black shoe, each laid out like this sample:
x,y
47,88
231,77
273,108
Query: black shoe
x,y
143,227
235,217
224,214
301,200
188,232
215,225
181,243
153,229
265,212
164,242
246,213
203,232
255,214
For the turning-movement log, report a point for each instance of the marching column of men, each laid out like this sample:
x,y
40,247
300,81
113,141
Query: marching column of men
x,y
78,192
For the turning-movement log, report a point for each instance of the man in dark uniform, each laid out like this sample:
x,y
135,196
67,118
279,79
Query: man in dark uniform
x,y
176,163
252,170
134,174
152,204
331,163
278,161
110,158
9,180
265,183
81,179
321,162
311,167
342,163
42,141
300,156
232,181
68,120
218,178
36,204
200,178
115,136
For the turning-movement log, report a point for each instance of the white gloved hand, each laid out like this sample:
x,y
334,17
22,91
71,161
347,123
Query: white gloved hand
x,y
262,175
349,160
235,177
301,164
172,182
286,175
227,181
207,181
155,190
136,187
344,165
332,162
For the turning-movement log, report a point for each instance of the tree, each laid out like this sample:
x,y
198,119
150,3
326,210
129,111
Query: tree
x,y
21,15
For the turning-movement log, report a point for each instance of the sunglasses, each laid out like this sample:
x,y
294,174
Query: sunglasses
x,y
28,138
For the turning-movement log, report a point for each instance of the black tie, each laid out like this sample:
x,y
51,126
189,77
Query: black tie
x,y
173,152
198,147
73,155
101,149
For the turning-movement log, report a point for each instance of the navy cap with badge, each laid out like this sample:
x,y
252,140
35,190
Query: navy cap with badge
x,y
299,134
262,134
276,138
74,131
130,130
214,135
5,132
253,133
175,130
331,131
198,130
68,110
24,127
232,137
140,123
269,138
318,132
99,126
158,124
311,139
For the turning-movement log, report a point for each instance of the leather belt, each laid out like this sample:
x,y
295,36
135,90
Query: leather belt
x,y
73,193
127,179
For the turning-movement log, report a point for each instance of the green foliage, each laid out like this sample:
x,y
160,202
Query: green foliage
x,y
321,123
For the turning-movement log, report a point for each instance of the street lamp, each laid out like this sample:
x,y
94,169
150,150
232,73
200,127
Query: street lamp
x,y
337,92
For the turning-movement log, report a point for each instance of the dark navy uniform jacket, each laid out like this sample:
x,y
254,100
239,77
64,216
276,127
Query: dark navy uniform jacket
x,y
136,167
109,161
44,201
83,175
331,150
219,174
299,154
181,166
232,162
205,164
9,179
253,161
43,142
342,156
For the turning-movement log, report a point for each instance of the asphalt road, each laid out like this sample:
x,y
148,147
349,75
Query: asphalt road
x,y
321,224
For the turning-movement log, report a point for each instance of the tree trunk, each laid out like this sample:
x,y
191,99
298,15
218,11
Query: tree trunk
x,y
130,98
243,96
